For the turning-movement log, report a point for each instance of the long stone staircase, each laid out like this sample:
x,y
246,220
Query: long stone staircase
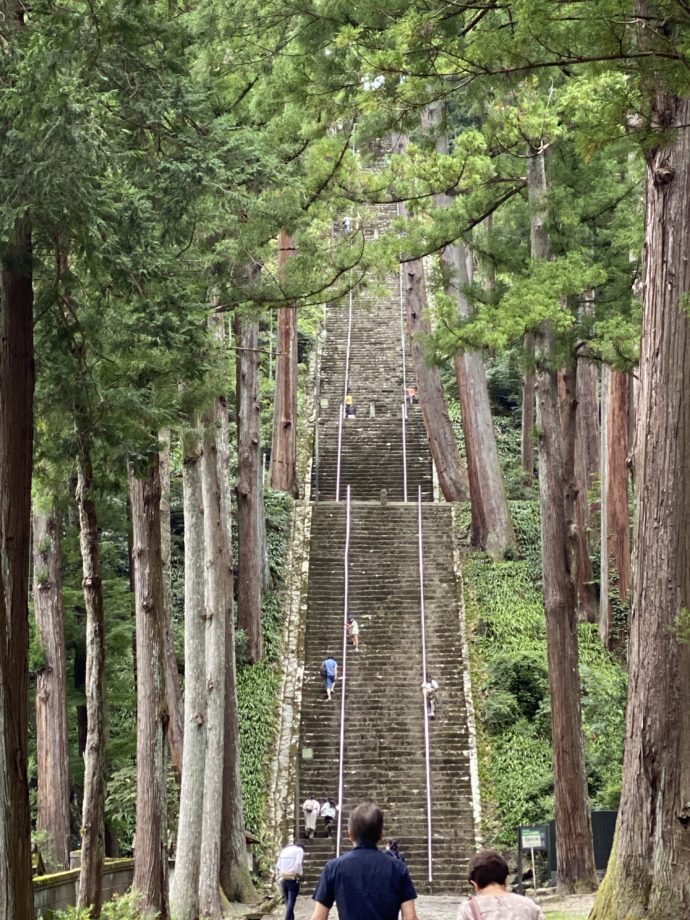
x,y
384,747
371,442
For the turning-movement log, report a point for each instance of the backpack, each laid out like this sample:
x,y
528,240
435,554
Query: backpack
x,y
322,669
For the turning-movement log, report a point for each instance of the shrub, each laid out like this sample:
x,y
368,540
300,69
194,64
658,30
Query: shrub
x,y
522,676
122,907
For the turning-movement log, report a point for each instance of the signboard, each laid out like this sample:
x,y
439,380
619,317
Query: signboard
x,y
533,838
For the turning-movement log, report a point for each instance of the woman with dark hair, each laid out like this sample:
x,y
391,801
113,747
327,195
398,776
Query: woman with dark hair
x,y
487,874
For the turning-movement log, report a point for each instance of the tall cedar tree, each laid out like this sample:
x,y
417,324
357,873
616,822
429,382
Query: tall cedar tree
x,y
284,446
93,804
173,690
452,478
184,896
16,443
150,852
249,474
492,528
16,448
575,855
649,869
52,736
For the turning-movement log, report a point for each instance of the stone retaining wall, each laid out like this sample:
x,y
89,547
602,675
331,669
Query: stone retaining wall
x,y
59,890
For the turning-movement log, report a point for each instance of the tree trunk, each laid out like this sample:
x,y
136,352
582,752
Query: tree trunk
x,y
266,579
649,869
52,737
439,428
173,691
150,852
284,447
16,445
217,605
557,492
615,554
528,405
586,453
185,891
93,806
575,857
249,489
235,878
492,528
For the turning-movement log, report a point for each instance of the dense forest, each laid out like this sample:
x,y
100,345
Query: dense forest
x,y
184,187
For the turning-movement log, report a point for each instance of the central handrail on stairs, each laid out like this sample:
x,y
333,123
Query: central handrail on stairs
x,y
402,319
427,756
341,413
404,448
343,677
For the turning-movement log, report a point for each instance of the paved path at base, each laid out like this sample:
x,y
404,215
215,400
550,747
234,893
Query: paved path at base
x,y
428,908
444,908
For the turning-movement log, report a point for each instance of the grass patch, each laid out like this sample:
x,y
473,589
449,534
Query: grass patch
x,y
564,915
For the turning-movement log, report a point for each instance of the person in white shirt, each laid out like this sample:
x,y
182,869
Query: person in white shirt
x,y
311,813
328,810
288,872
429,688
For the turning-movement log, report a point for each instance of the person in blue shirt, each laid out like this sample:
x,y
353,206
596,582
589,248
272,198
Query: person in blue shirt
x,y
329,672
366,883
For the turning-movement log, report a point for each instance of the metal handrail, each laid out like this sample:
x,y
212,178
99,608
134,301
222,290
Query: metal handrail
x,y
343,677
402,322
427,756
404,449
341,414
317,418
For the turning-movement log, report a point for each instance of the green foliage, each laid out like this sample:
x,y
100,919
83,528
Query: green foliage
x,y
505,617
122,907
257,685
120,804
681,626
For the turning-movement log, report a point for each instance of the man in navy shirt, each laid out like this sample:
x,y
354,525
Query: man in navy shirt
x,y
366,883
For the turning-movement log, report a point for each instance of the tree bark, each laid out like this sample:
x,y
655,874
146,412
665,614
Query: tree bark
x,y
185,890
439,428
16,445
649,870
235,879
217,612
575,857
173,691
93,805
492,528
586,443
266,578
52,737
150,852
528,406
249,490
615,554
284,446
557,492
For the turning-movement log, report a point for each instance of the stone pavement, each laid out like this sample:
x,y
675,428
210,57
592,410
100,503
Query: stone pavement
x,y
428,908
440,907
